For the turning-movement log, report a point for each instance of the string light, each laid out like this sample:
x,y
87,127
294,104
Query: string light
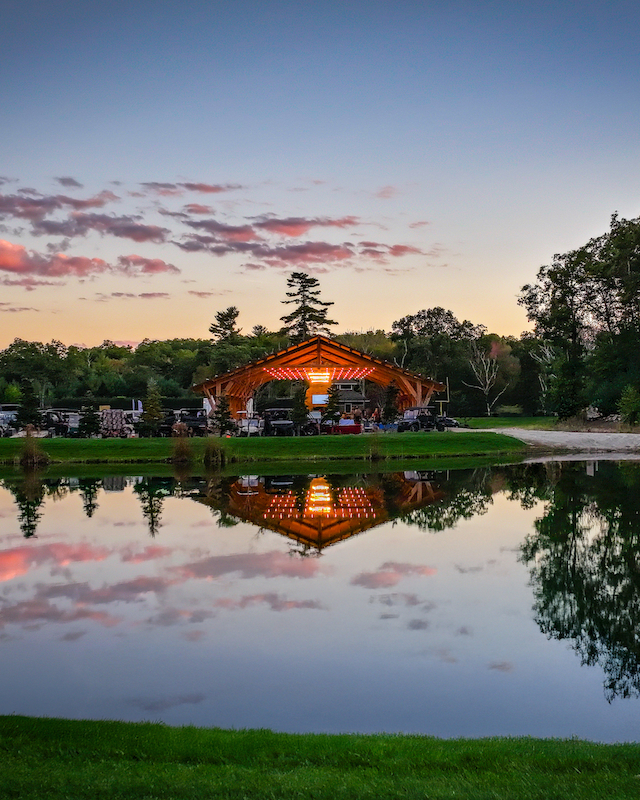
x,y
318,374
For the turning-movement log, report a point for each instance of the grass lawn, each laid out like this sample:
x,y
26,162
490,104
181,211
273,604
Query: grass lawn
x,y
56,759
531,423
371,447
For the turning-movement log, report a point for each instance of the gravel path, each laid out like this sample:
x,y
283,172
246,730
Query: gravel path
x,y
577,441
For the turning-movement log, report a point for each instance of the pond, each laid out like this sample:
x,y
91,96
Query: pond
x,y
495,601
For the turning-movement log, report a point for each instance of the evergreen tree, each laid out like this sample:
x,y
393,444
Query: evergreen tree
x,y
152,492
90,420
225,328
310,315
331,411
300,412
221,416
389,409
89,489
152,414
29,411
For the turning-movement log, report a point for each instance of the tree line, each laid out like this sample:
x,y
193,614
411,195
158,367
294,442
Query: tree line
x,y
585,306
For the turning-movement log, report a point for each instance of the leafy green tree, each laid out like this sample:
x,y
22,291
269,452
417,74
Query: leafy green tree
x,y
629,405
583,563
309,317
373,342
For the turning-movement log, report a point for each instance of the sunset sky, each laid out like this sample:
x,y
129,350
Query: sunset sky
x,y
162,161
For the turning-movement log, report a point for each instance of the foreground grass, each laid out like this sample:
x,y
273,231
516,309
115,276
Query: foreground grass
x,y
76,759
372,447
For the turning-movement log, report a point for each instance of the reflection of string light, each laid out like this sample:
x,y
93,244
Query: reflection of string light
x,y
282,506
352,503
319,501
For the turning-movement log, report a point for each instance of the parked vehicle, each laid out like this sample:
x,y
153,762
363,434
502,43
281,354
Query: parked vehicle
x,y
448,422
278,422
417,418
250,426
60,421
8,413
195,419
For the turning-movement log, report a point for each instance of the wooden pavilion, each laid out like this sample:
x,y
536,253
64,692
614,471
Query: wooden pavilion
x,y
322,514
319,362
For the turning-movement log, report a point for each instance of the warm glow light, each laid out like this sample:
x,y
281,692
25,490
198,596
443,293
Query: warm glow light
x,y
318,374
319,502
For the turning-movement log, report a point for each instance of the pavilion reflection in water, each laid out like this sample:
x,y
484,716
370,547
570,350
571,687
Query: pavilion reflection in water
x,y
318,511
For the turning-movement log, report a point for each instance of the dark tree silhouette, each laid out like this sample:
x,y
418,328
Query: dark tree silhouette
x,y
310,315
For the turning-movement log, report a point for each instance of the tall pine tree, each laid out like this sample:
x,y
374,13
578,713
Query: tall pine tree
x,y
309,317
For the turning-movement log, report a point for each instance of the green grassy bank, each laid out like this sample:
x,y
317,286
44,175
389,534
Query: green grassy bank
x,y
60,759
371,447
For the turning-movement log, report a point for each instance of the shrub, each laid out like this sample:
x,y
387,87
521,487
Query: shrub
x,y
629,405
32,454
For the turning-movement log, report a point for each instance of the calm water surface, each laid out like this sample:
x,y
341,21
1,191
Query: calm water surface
x,y
500,601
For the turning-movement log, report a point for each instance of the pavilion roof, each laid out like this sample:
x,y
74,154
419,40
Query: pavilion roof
x,y
315,359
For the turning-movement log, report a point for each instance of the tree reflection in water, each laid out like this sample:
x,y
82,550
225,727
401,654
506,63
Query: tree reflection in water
x,y
152,493
583,556
585,569
28,492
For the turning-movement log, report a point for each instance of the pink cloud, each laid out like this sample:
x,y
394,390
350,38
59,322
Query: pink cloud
x,y
403,250
16,259
125,591
420,223
307,253
297,226
210,188
390,574
37,610
145,266
163,189
250,565
275,601
28,283
387,192
69,182
228,233
123,227
196,208
154,295
7,308
19,560
34,206
148,554
201,294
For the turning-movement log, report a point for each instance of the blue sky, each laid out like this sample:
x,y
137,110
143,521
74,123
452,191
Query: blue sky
x,y
407,154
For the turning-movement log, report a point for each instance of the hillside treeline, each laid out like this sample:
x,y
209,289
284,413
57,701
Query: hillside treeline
x,y
432,343
584,350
